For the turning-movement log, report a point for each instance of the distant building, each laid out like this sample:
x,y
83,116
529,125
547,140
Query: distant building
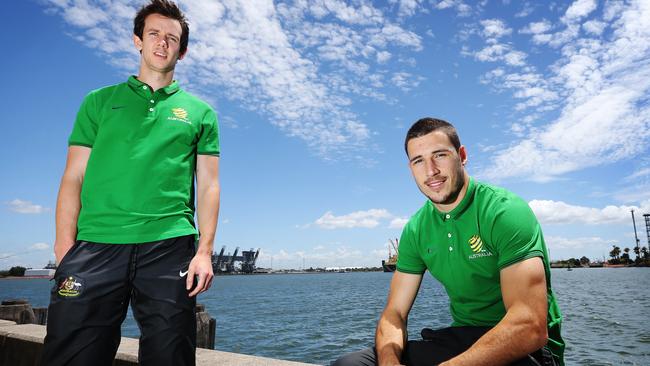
x,y
44,272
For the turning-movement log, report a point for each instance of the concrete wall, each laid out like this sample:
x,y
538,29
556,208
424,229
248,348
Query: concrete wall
x,y
22,344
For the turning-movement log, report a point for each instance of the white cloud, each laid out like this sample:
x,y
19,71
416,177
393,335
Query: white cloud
x,y
398,222
594,27
558,212
495,28
526,10
463,10
542,26
289,61
328,255
556,242
406,7
580,9
358,219
40,246
26,207
600,88
406,81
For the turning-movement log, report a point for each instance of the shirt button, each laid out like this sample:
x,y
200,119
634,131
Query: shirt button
x,y
450,249
144,87
150,109
152,101
449,235
447,216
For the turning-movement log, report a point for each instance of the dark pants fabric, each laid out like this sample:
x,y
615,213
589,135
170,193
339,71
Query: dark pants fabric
x,y
438,346
94,285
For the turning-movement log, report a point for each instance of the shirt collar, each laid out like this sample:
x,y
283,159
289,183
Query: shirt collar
x,y
462,206
137,85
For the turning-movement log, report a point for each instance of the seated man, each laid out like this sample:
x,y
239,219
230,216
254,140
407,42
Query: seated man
x,y
486,247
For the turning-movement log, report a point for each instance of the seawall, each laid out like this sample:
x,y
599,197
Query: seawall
x,y
21,345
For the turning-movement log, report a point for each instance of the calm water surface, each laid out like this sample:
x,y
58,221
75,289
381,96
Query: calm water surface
x,y
316,317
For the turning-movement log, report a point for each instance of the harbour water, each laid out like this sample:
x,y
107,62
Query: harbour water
x,y
316,317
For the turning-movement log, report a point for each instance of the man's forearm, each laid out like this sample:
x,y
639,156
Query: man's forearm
x,y
390,339
208,212
67,212
515,336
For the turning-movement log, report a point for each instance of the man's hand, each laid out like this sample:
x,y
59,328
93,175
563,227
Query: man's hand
x,y
201,266
60,250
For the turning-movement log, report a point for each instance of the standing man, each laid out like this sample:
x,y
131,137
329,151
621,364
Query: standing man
x,y
125,213
486,247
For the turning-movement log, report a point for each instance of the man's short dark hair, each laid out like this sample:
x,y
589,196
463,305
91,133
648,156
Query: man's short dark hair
x,y
167,9
425,126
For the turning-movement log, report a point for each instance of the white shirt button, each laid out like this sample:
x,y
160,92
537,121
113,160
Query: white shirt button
x,y
450,249
449,235
150,109
152,101
447,216
144,87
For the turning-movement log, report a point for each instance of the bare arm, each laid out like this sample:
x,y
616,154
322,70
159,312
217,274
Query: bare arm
x,y
68,202
207,192
391,328
523,330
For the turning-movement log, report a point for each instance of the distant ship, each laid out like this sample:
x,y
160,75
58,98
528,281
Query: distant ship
x,y
390,264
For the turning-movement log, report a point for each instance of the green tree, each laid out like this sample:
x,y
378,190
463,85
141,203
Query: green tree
x,y
644,250
17,271
584,261
626,256
615,253
637,251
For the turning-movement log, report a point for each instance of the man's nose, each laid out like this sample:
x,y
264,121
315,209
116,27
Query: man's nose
x,y
432,168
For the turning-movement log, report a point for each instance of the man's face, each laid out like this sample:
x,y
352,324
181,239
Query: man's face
x,y
438,168
160,44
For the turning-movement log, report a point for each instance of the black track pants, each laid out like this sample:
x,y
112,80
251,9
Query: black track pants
x,y
94,284
439,346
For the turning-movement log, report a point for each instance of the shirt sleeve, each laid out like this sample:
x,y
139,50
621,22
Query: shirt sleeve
x,y
209,135
517,234
409,259
85,127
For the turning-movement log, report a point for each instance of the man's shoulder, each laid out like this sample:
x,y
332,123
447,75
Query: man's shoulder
x,y
106,91
496,197
497,203
193,100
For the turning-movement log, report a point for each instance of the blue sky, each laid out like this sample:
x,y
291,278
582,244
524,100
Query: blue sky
x,y
314,98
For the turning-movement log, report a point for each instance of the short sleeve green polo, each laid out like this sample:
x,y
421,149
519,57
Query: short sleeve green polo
x,y
466,248
138,185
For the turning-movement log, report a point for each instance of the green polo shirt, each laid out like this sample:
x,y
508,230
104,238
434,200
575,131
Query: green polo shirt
x,y
138,186
466,248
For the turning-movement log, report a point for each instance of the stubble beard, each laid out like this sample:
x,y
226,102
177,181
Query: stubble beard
x,y
454,191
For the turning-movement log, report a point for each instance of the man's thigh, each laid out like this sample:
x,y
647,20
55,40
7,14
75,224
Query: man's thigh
x,y
87,305
160,302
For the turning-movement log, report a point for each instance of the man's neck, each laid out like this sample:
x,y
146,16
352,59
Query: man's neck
x,y
155,80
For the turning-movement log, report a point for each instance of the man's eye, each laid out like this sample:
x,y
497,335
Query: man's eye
x,y
439,155
171,39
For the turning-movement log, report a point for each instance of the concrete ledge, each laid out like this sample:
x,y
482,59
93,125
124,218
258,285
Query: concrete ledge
x,y
21,345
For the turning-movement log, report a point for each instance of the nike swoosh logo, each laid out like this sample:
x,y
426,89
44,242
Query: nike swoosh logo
x,y
182,274
118,106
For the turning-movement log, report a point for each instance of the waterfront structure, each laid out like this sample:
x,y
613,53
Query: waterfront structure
x,y
226,263
389,265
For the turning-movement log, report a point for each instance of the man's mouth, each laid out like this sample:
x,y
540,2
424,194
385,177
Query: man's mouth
x,y
435,183
160,54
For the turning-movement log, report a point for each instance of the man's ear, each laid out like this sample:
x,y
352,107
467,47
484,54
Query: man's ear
x,y
181,55
137,42
462,152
